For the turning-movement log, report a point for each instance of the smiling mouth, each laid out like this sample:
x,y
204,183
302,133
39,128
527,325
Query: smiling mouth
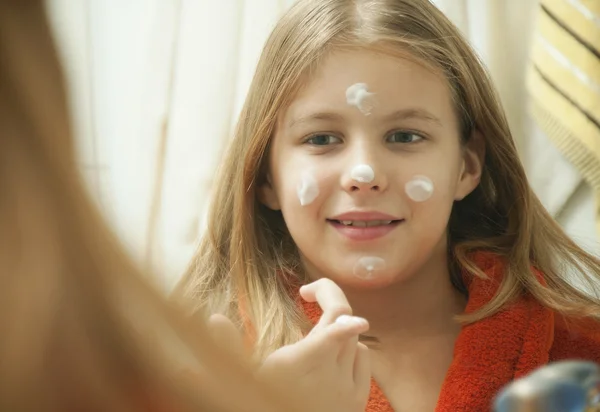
x,y
365,223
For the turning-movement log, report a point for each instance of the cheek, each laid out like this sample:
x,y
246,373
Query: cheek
x,y
419,188
307,188
428,219
432,180
302,196
303,188
430,212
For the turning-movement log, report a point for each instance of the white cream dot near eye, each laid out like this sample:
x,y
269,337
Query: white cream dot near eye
x,y
419,188
307,189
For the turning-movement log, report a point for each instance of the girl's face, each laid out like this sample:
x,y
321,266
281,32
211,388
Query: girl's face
x,y
365,165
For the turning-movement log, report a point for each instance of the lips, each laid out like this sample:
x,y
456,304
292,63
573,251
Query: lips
x,y
364,226
365,223
366,216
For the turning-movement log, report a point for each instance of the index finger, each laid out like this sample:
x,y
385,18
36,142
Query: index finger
x,y
330,298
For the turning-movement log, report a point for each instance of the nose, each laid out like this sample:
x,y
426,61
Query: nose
x,y
364,178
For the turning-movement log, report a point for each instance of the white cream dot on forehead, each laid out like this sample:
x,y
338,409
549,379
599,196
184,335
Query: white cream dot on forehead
x,y
366,266
359,96
362,173
419,188
307,189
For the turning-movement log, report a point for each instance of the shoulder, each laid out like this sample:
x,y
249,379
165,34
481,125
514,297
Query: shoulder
x,y
575,339
571,338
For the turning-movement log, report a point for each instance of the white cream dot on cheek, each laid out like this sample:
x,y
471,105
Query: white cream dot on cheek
x,y
362,173
307,189
419,188
359,96
366,266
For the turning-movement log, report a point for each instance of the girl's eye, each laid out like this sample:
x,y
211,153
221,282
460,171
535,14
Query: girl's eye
x,y
322,140
404,137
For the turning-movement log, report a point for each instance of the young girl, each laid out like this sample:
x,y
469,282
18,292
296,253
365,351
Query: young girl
x,y
372,150
81,329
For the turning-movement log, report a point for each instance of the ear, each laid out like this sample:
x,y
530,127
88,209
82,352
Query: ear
x,y
473,161
267,194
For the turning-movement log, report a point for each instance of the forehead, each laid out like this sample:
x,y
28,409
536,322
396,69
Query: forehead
x,y
398,83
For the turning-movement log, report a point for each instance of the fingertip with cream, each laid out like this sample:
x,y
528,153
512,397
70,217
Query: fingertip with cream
x,y
351,320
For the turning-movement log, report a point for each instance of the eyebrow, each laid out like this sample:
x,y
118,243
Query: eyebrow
x,y
413,114
404,114
322,117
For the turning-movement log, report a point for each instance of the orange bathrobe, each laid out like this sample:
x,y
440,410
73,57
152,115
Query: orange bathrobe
x,y
494,351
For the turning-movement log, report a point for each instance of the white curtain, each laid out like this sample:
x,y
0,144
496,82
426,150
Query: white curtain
x,y
156,86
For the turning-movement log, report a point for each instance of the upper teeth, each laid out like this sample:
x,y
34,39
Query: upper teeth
x,y
362,223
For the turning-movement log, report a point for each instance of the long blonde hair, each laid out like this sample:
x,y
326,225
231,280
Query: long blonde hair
x,y
71,302
247,258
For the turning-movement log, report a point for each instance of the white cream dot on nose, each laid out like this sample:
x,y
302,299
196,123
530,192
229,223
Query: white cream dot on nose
x,y
362,173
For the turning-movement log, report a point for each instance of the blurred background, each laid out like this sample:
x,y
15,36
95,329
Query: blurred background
x,y
156,87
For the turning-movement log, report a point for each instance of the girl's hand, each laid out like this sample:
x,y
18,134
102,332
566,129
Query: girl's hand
x,y
329,369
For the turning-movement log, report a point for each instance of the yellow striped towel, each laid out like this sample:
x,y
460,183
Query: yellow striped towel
x,y
564,83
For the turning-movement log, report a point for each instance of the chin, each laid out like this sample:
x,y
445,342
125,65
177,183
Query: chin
x,y
376,281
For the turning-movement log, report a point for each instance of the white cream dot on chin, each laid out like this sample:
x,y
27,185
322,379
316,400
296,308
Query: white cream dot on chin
x,y
359,96
362,173
419,188
307,189
367,266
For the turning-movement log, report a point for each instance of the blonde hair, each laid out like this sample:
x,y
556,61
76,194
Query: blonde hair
x,y
69,296
247,258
